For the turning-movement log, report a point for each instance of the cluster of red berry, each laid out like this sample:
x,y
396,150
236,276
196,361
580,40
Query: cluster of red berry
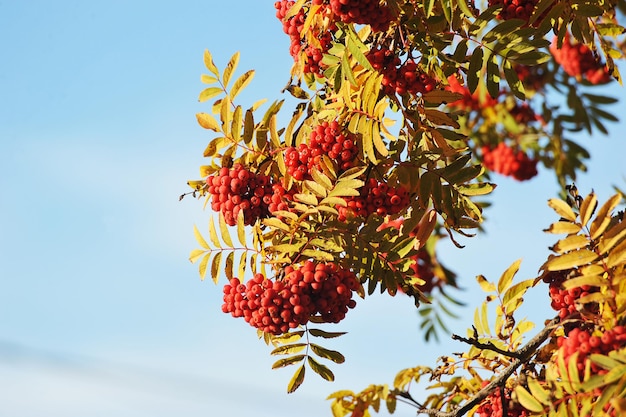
x,y
523,113
515,9
400,78
365,12
469,101
277,306
534,77
326,139
564,301
376,197
238,189
587,342
293,26
492,405
507,161
423,267
578,60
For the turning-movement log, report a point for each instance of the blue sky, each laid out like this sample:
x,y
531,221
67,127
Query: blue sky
x,y
101,313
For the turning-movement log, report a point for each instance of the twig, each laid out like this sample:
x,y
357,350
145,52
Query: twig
x,y
488,346
523,355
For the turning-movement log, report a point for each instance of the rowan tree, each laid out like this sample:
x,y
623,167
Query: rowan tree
x,y
402,114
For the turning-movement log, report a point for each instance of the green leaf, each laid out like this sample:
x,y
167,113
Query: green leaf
x,y
428,7
320,369
296,380
493,76
355,46
475,66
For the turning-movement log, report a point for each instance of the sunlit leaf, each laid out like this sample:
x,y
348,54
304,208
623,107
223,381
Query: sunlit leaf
x,y
329,354
296,380
321,370
527,400
570,260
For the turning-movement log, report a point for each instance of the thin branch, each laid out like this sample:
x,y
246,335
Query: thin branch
x,y
486,346
524,354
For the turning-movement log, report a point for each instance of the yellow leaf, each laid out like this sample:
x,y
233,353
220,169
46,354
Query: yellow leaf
x,y
289,349
315,188
241,83
195,255
203,265
199,238
207,121
308,199
208,93
276,224
208,63
570,243
378,140
527,400
230,68
321,370
213,234
228,268
587,208
570,260
224,231
484,284
241,229
296,380
243,260
281,363
562,209
611,237
215,267
617,255
563,228
602,220
594,281
507,277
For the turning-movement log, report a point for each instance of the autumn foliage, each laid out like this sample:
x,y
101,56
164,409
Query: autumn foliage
x,y
403,115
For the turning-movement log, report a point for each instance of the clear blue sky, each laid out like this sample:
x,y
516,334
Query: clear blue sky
x,y
101,313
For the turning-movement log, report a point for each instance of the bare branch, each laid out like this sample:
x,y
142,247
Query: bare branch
x,y
523,354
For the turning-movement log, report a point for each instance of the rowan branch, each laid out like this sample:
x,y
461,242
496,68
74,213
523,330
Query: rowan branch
x,y
486,346
523,354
